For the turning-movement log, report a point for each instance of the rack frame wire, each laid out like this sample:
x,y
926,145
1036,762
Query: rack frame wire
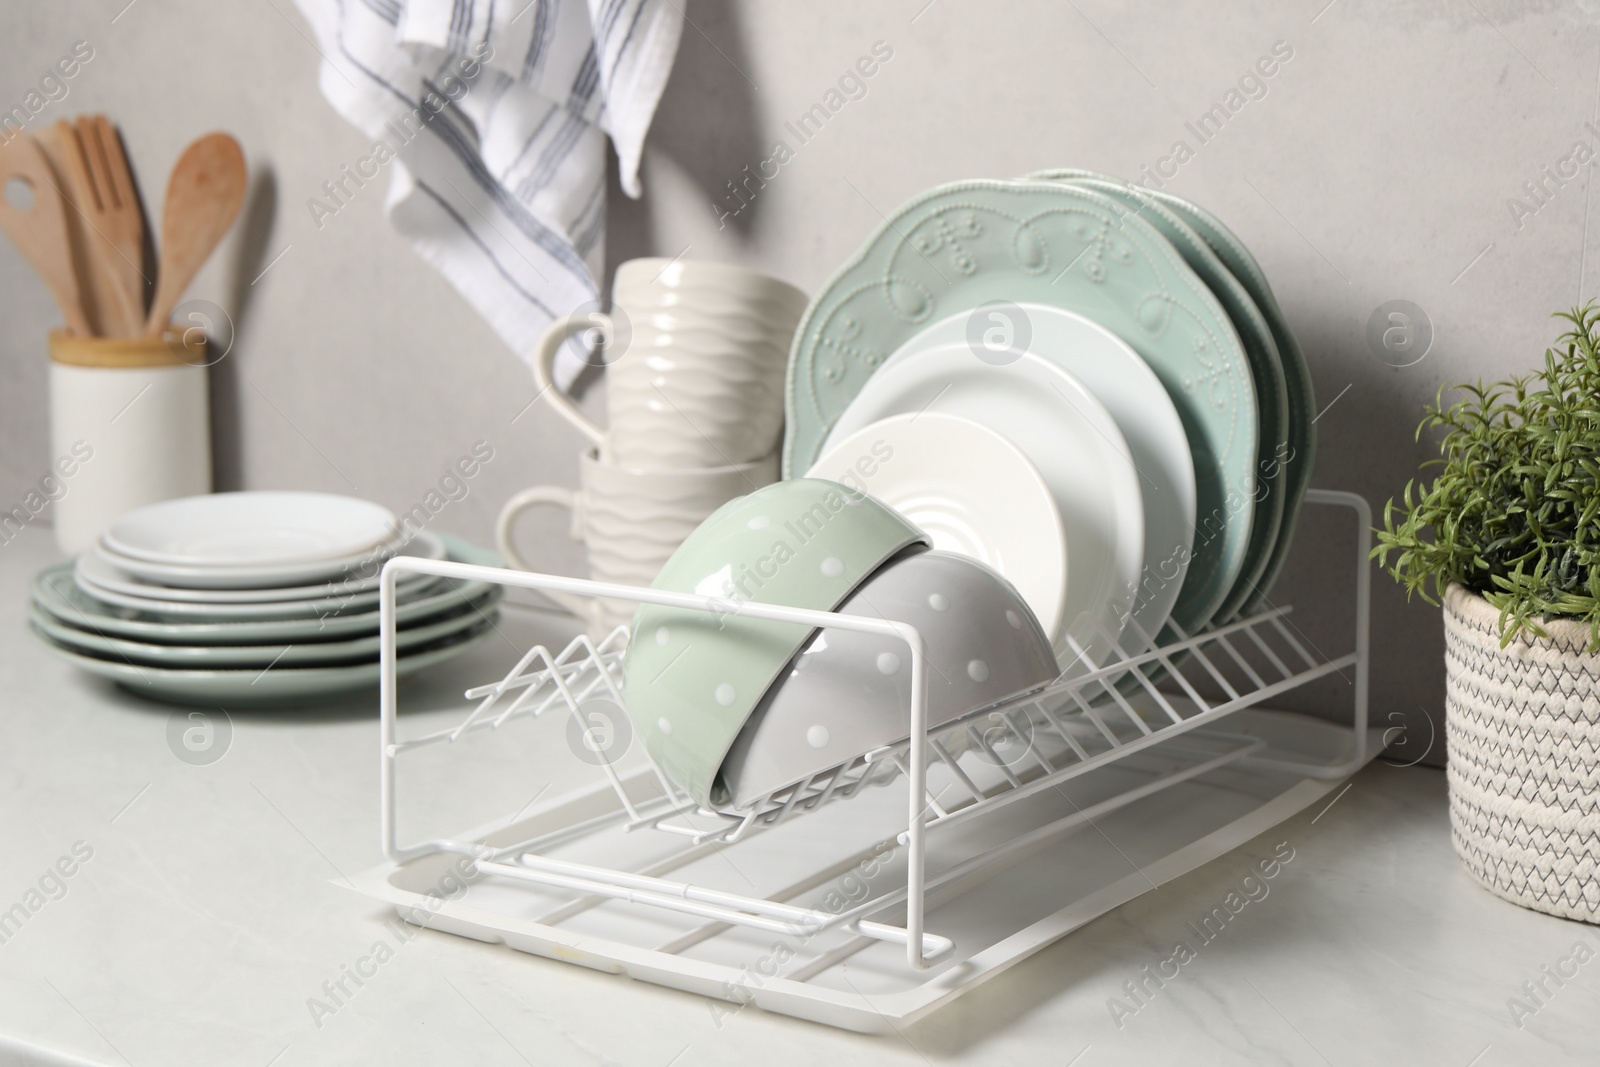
x,y
1082,722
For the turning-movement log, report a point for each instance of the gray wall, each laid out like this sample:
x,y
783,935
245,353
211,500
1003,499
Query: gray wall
x,y
1377,166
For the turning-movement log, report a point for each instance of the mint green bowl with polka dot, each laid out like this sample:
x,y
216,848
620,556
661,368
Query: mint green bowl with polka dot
x,y
692,678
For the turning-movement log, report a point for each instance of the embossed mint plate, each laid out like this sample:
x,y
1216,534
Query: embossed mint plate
x,y
960,246
1266,368
1296,452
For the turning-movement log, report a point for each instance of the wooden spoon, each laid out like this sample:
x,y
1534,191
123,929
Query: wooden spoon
x,y
106,199
203,196
40,231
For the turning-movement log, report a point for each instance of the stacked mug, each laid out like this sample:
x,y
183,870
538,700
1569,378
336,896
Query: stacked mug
x,y
695,361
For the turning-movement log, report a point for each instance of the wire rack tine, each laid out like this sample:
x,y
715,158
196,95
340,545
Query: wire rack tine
x,y
1062,729
1172,670
1195,647
1136,670
1089,713
1289,639
981,740
1266,650
1243,664
1027,739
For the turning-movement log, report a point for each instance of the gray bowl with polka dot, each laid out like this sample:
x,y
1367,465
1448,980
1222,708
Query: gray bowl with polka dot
x,y
691,678
846,693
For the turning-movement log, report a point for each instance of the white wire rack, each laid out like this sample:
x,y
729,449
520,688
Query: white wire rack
x,y
1157,704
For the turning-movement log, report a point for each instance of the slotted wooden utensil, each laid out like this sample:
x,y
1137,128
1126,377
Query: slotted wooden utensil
x,y
40,231
99,175
92,291
203,196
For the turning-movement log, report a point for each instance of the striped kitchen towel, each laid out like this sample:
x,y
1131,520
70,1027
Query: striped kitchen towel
x,y
491,116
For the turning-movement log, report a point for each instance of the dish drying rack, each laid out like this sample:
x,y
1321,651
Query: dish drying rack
x,y
622,876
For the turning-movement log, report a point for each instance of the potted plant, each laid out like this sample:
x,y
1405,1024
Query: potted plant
x,y
1507,535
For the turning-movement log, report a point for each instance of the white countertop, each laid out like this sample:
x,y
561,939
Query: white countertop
x,y
213,907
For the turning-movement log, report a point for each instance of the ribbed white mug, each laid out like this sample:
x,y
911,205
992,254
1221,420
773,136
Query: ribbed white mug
x,y
696,355
631,521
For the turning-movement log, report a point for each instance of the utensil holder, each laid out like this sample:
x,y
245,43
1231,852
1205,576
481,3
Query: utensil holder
x,y
130,424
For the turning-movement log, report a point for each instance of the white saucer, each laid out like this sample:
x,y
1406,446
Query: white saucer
x,y
971,490
99,571
308,608
251,529
1075,444
364,563
1122,381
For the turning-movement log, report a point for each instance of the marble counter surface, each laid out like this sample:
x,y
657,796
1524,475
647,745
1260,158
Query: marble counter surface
x,y
206,908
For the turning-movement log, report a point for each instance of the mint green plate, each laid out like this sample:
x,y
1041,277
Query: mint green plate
x,y
235,657
1266,367
959,246
265,687
55,593
1299,447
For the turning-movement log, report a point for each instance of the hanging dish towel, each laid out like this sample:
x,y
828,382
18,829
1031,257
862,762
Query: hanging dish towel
x,y
491,117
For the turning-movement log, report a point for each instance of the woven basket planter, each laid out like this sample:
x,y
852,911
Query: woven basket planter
x,y
1523,726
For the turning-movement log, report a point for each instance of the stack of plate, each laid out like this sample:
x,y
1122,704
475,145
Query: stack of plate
x,y
255,598
1086,384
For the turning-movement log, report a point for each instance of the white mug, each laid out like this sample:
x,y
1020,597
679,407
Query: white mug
x,y
631,521
697,374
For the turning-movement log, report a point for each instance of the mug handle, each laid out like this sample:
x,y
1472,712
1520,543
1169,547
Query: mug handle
x,y
544,362
551,495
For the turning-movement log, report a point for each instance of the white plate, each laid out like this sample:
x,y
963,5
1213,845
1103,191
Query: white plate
x,y
1122,381
1075,444
251,529
971,490
363,564
103,574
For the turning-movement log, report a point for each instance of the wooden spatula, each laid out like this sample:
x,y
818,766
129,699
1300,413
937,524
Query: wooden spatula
x,y
40,231
203,196
105,195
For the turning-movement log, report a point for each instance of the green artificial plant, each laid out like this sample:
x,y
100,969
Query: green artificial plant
x,y
1512,512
